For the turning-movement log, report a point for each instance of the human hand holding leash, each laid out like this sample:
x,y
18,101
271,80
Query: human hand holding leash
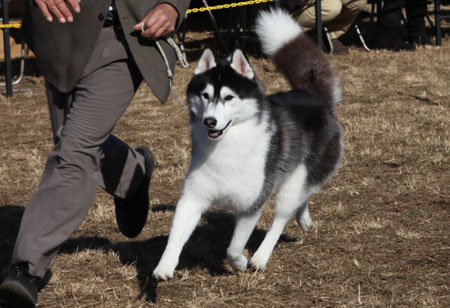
x,y
58,8
159,22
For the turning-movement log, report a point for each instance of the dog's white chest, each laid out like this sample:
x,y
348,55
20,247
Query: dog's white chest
x,y
233,173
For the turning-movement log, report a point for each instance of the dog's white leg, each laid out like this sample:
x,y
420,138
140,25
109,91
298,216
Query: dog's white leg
x,y
303,217
262,255
245,223
291,196
187,214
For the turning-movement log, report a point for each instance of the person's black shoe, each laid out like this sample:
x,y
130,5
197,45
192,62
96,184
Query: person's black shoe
x,y
19,289
391,42
418,39
132,212
339,48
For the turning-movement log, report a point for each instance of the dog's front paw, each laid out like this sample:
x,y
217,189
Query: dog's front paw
x,y
259,262
238,263
162,272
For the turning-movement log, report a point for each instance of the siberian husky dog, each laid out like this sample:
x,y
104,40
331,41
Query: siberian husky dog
x,y
246,145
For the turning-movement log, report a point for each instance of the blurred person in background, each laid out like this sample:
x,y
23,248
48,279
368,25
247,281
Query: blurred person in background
x,y
93,54
392,35
337,16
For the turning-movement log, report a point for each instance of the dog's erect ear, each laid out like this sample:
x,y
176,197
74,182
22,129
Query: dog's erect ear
x,y
240,64
206,62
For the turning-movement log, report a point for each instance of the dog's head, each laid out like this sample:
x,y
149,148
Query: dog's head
x,y
222,93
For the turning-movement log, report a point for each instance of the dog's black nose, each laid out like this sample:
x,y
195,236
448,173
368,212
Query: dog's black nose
x,y
210,122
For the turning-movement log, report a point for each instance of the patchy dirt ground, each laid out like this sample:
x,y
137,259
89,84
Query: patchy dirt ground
x,y
381,227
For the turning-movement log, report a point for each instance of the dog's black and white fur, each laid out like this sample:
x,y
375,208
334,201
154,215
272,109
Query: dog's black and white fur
x,y
246,145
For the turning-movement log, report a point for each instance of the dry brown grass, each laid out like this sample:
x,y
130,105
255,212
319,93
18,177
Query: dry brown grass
x,y
381,227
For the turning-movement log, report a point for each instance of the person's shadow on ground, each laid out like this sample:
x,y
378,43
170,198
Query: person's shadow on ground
x,y
206,247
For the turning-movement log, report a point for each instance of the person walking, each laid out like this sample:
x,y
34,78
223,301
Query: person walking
x,y
93,54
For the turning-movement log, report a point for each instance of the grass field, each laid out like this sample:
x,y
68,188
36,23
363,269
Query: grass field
x,y
381,234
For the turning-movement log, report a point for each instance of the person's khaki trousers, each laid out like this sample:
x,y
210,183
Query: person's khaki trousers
x,y
337,15
86,154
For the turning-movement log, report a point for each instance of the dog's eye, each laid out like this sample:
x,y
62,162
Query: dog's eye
x,y
229,98
205,95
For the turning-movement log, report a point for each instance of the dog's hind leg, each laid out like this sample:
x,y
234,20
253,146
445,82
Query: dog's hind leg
x,y
187,214
291,195
245,223
303,217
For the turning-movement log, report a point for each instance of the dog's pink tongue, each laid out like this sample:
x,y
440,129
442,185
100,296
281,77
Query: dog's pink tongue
x,y
213,133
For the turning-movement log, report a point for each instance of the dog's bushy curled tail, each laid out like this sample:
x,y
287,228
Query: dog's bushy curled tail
x,y
297,56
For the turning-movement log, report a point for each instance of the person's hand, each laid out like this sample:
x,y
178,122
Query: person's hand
x,y
58,8
159,22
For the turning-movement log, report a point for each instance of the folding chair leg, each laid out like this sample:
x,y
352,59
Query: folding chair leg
x,y
7,49
437,16
319,24
328,41
361,38
22,70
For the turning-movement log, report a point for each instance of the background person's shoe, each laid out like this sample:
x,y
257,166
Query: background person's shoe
x,y
391,42
132,212
339,48
417,36
19,289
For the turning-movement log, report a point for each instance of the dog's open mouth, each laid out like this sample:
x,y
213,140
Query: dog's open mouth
x,y
214,133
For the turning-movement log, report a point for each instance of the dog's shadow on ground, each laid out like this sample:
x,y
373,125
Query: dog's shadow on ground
x,y
206,247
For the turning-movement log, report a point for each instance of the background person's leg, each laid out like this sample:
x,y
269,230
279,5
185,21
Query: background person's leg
x,y
389,27
350,10
415,16
306,15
